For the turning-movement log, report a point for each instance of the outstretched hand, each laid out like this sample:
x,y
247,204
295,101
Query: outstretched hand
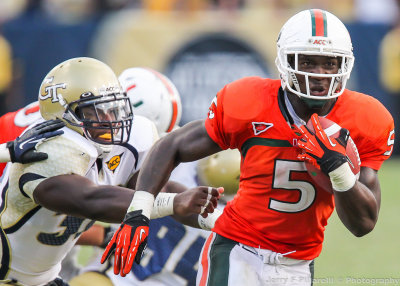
x,y
23,149
199,200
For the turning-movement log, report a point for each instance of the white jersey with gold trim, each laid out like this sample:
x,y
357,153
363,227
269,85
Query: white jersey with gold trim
x,y
34,240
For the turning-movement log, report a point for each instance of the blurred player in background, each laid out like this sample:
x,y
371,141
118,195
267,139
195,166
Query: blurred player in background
x,y
273,230
50,203
153,96
173,249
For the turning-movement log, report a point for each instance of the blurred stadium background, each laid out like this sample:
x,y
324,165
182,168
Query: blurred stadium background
x,y
202,45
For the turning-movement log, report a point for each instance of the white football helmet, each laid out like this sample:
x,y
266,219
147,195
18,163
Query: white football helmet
x,y
153,96
314,32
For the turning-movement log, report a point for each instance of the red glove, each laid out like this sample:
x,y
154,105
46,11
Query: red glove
x,y
128,242
319,149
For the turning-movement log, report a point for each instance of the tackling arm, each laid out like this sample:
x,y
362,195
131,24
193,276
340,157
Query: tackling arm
x,y
78,196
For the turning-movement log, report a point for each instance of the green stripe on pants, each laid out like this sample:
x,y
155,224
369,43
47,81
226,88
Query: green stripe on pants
x,y
219,261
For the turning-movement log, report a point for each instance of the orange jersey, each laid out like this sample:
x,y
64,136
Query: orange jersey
x,y
12,124
278,206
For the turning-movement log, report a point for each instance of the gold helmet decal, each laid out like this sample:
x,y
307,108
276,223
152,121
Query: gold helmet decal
x,y
50,91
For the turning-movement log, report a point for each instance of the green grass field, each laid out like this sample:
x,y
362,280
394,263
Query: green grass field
x,y
370,260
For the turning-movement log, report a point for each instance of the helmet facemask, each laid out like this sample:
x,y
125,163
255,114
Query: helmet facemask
x,y
105,120
289,71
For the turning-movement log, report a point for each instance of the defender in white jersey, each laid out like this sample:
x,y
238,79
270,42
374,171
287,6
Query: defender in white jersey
x,y
47,205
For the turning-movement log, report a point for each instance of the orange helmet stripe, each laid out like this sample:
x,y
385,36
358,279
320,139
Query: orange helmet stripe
x,y
130,87
318,22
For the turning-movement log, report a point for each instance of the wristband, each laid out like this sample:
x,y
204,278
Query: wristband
x,y
209,222
4,153
163,205
342,178
142,201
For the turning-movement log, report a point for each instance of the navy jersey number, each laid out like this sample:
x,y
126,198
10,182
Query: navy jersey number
x,y
177,250
71,225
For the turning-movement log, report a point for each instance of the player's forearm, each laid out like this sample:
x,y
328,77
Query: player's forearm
x,y
157,167
358,209
76,195
153,175
189,143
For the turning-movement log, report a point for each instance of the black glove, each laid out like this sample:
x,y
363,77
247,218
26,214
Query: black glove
x,y
23,149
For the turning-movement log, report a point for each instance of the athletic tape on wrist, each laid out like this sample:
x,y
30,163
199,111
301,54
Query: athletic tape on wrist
x,y
163,205
342,178
209,222
4,153
142,201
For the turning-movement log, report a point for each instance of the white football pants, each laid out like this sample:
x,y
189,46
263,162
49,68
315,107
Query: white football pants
x,y
226,262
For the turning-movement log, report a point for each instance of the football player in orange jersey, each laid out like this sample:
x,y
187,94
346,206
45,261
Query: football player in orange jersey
x,y
273,229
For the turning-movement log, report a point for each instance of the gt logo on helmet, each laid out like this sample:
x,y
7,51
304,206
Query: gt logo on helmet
x,y
51,92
